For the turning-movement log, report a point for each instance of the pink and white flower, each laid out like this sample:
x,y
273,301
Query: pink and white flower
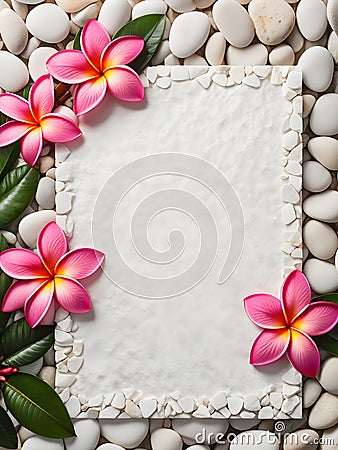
x,y
288,324
101,66
34,121
50,275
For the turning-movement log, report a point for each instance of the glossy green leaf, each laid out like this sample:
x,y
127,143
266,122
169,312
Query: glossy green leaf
x,y
3,118
5,282
8,436
17,190
8,157
327,343
25,91
36,406
151,29
333,298
21,345
77,40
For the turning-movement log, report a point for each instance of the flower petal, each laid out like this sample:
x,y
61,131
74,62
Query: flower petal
x,y
296,294
318,318
72,296
124,84
49,318
122,51
265,311
22,264
303,354
269,346
94,39
41,97
52,245
70,66
89,94
16,107
18,293
58,128
38,304
12,131
31,146
79,263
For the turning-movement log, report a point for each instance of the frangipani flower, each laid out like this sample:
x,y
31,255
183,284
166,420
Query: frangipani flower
x,y
288,325
34,121
50,275
100,66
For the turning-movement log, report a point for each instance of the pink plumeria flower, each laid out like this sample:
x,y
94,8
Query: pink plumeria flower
x,y
288,325
34,121
50,275
100,66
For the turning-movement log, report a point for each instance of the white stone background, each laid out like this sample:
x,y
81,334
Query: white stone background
x,y
294,29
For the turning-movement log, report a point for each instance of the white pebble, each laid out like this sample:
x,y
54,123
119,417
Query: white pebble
x,y
203,4
325,150
67,112
254,55
45,194
71,6
181,6
311,19
330,437
328,375
322,206
80,18
49,23
33,368
20,8
109,446
33,44
37,61
215,49
322,276
296,40
31,225
190,428
127,433
324,414
273,19
320,239
311,392
149,7
41,443
114,14
10,21
315,177
13,74
255,439
166,439
317,67
47,374
323,119
10,237
87,435
332,46
332,14
281,55
183,44
296,440
234,22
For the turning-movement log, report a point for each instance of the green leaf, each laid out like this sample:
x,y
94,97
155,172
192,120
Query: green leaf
x,y
25,91
8,436
36,406
328,343
3,118
333,298
21,345
151,29
17,190
5,282
77,40
8,157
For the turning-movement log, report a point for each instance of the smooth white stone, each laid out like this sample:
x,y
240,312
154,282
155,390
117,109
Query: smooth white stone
x,y
167,439
33,368
330,436
322,276
149,7
203,4
192,429
30,2
215,49
317,66
273,20
324,414
41,443
47,374
308,103
296,40
311,19
243,424
322,206
311,392
10,21
127,433
49,23
255,439
253,55
315,177
148,407
114,14
108,446
74,364
328,375
20,8
195,60
198,447
10,237
45,194
37,61
323,119
296,440
281,55
183,44
87,435
181,6
71,6
67,112
13,74
332,46
320,239
332,14
234,22
32,45
73,406
325,150
80,18
31,225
